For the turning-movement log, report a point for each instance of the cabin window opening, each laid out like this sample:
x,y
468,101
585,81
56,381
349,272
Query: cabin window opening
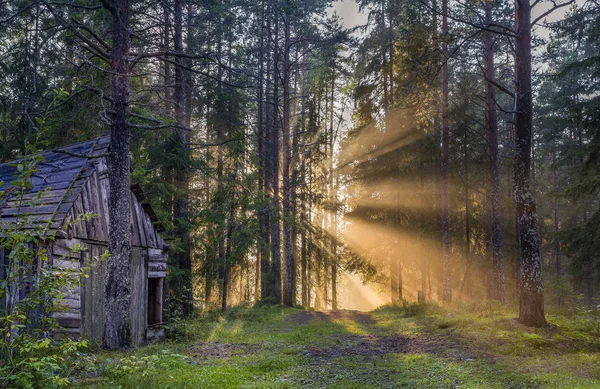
x,y
155,286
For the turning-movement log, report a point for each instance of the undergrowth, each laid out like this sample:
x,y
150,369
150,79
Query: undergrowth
x,y
475,345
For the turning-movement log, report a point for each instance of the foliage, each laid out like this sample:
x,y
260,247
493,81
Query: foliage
x,y
144,366
33,351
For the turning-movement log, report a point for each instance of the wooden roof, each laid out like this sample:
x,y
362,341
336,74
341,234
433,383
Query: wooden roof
x,y
57,185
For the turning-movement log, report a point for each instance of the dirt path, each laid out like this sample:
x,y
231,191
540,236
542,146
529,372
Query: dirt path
x,y
305,317
373,344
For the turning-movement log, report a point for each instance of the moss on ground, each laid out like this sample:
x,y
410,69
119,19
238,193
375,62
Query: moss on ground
x,y
477,345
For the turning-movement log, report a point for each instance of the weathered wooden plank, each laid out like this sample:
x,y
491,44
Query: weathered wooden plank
x,y
157,267
94,225
157,255
104,190
93,307
63,247
54,186
73,304
157,274
139,296
87,297
54,176
86,208
43,195
139,220
37,210
79,229
99,206
150,231
68,319
67,264
135,232
68,224
101,166
73,295
30,220
143,226
96,206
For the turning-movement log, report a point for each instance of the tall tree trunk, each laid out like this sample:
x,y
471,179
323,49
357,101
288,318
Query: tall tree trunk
x,y
310,237
498,287
332,192
446,266
334,262
275,206
304,225
220,163
422,293
266,273
304,267
227,259
117,326
393,279
167,65
188,80
288,281
182,173
555,222
262,247
467,254
531,298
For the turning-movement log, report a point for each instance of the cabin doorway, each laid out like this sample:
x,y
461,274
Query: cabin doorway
x,y
155,292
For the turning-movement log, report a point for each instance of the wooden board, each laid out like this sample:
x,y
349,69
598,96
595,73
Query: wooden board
x,y
139,295
92,296
157,263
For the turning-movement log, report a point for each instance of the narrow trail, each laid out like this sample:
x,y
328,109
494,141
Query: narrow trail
x,y
392,347
360,336
374,341
362,318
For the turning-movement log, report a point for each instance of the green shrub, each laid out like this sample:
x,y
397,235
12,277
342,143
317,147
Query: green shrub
x,y
32,352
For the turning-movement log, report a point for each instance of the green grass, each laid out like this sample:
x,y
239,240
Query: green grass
x,y
468,346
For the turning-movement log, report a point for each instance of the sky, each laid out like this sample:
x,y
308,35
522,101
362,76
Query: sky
x,y
348,11
351,17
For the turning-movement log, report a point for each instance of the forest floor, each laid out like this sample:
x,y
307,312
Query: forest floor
x,y
415,346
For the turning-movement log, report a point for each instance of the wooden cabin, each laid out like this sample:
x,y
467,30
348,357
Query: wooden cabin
x,y
66,184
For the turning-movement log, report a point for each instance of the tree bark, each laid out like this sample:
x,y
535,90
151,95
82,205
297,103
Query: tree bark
x,y
167,65
555,221
275,205
117,327
446,266
498,287
227,259
467,258
266,274
288,281
422,293
531,299
182,176
262,249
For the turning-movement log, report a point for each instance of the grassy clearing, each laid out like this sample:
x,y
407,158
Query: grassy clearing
x,y
470,346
